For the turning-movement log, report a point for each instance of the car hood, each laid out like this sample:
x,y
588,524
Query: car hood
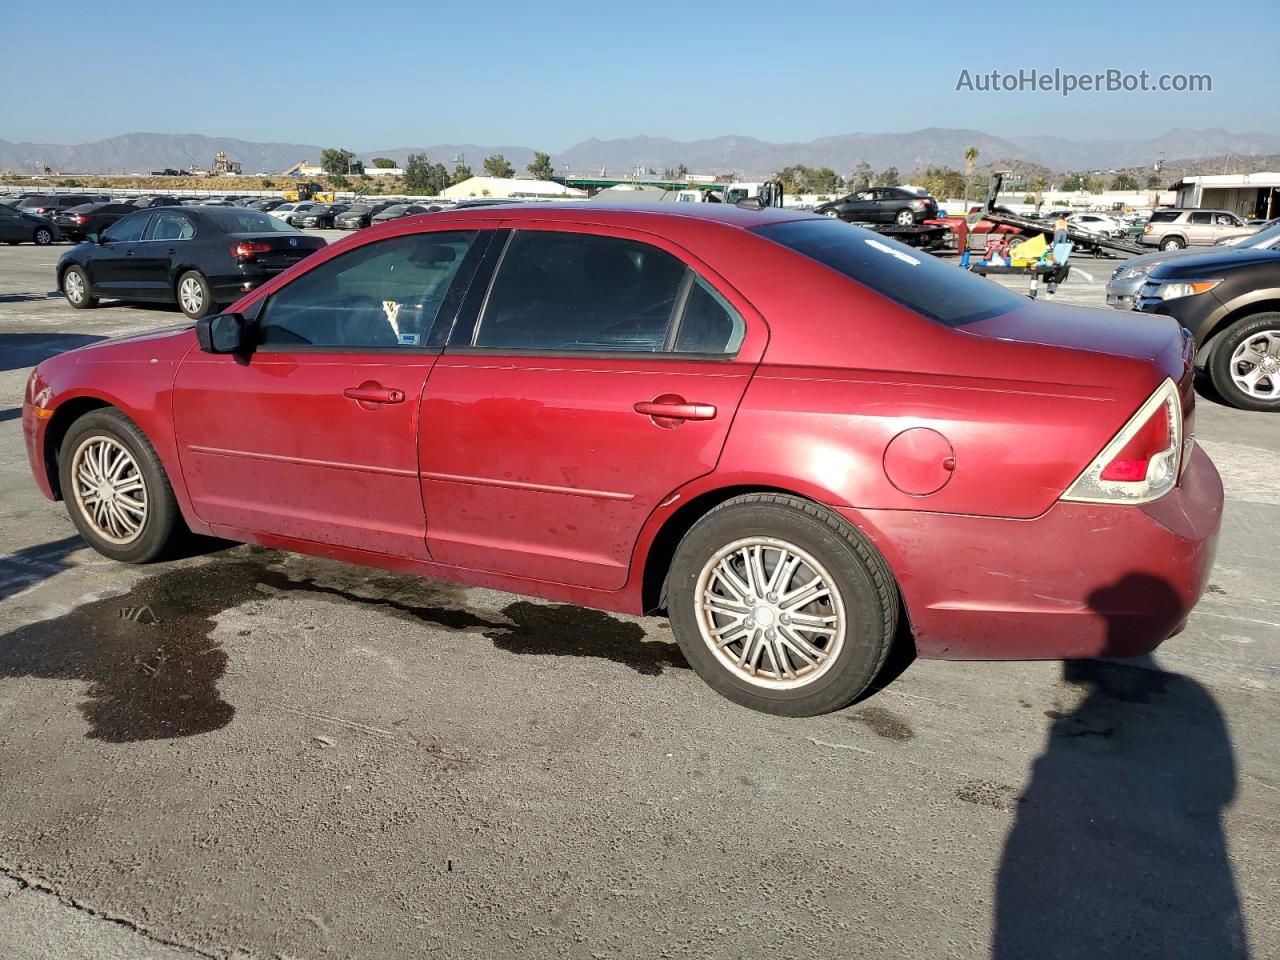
x,y
165,343
1229,258
1149,261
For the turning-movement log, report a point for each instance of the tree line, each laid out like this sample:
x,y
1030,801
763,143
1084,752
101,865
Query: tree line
x,y
421,175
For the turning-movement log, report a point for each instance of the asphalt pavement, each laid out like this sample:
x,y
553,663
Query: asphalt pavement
x,y
245,753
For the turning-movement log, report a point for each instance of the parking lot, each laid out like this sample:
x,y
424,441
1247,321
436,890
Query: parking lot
x,y
245,753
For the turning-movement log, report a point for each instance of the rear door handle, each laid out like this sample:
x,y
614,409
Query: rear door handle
x,y
669,407
367,394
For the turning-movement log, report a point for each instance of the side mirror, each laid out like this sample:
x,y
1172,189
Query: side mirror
x,y
94,238
221,333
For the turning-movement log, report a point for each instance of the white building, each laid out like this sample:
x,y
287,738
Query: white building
x,y
510,187
1251,195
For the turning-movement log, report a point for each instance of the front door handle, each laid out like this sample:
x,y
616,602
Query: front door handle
x,y
671,407
372,393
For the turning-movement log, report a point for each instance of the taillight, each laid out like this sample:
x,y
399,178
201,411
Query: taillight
x,y
1141,462
243,251
79,218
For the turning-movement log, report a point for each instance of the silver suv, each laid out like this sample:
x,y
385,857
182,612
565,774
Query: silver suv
x,y
1176,229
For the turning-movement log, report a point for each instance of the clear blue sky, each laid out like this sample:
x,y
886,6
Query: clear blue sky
x,y
547,75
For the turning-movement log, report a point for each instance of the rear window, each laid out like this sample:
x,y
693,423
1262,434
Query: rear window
x,y
916,280
1164,216
236,220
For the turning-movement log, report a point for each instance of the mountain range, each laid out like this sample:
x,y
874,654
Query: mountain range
x,y
933,146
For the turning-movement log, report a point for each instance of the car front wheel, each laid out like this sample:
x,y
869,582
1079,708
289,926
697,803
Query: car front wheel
x,y
116,489
194,297
1245,363
42,237
781,606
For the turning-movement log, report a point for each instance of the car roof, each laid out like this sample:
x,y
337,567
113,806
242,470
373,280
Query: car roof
x,y
605,213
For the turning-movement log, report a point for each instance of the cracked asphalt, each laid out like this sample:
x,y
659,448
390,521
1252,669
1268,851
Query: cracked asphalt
x,y
251,754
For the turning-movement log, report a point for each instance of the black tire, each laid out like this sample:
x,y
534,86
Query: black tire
x,y
857,571
904,218
77,290
191,307
1172,243
1220,365
162,526
42,237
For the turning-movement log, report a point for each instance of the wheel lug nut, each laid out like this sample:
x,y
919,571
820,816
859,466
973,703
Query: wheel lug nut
x,y
769,634
772,598
784,619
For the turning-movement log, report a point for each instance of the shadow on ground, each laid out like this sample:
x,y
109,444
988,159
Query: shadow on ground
x,y
1118,849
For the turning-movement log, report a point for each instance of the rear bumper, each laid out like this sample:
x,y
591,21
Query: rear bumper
x,y
1081,580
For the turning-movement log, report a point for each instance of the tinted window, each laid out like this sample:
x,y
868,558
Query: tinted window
x,y
171,226
384,294
708,324
235,220
1164,216
1200,218
130,228
577,291
916,280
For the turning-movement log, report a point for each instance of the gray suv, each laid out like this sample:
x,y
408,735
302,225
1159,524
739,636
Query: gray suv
x,y
1176,229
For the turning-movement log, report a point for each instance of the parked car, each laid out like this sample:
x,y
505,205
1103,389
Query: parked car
x,y
266,206
50,205
1175,229
358,215
791,435
78,222
14,201
18,227
881,205
320,217
196,257
1097,224
1128,278
398,210
1227,300
215,202
287,211
147,202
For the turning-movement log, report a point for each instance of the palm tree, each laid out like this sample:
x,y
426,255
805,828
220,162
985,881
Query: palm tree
x,y
970,158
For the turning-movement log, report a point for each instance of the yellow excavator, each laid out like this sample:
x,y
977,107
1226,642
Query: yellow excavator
x,y
309,191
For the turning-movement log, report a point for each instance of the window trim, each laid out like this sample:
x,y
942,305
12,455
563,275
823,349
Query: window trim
x,y
691,276
429,346
155,219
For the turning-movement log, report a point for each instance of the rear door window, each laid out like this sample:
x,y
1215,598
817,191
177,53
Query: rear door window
x,y
916,280
171,226
1201,218
580,292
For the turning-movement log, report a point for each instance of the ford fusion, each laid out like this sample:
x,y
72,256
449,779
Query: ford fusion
x,y
800,441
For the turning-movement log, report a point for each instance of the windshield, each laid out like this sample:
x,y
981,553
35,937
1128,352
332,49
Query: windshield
x,y
922,282
1264,238
233,220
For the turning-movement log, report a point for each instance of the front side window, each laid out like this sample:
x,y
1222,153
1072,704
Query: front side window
x,y
918,281
128,229
581,292
172,226
384,294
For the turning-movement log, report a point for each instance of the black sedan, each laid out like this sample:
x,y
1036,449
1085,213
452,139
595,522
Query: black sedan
x,y
321,217
78,222
196,257
1226,300
882,205
18,227
358,215
398,210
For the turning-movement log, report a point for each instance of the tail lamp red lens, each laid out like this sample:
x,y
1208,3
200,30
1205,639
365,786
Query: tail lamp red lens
x,y
243,251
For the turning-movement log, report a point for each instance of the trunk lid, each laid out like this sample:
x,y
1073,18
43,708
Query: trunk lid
x,y
284,249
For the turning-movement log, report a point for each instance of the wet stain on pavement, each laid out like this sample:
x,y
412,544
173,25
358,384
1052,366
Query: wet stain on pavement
x,y
884,723
985,793
151,669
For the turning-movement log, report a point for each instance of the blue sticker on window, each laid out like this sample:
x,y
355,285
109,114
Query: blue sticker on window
x,y
408,339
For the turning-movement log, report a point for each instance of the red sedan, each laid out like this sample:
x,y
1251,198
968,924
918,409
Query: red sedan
x,y
797,438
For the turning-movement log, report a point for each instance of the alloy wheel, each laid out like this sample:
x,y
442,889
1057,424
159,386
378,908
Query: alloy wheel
x,y
770,613
1255,365
191,294
74,284
109,489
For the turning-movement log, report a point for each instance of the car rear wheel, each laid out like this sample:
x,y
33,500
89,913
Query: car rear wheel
x,y
42,237
834,214
1245,363
781,606
905,218
116,489
194,297
1171,243
75,286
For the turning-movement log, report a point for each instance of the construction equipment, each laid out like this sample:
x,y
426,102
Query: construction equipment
x,y
309,191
